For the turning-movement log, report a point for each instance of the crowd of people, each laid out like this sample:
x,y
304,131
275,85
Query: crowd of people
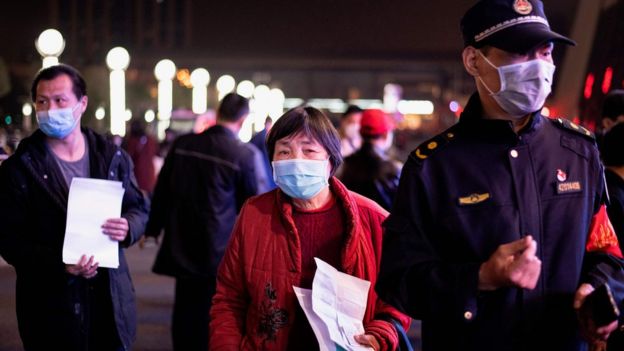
x,y
493,233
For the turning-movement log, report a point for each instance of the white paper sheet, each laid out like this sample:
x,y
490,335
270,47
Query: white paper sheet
x,y
339,300
91,202
320,329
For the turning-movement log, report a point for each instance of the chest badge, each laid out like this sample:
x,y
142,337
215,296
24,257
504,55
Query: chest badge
x,y
561,175
569,187
473,199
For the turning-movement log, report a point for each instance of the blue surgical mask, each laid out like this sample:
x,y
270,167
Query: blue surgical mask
x,y
301,179
524,86
57,123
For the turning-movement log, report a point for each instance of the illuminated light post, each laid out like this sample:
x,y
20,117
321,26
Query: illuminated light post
x,y
200,79
225,84
150,115
245,88
50,45
27,119
276,105
100,113
164,71
117,61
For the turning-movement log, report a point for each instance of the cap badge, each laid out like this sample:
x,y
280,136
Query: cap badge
x,y
561,176
522,7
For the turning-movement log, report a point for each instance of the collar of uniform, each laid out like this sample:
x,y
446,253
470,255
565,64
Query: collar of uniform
x,y
493,130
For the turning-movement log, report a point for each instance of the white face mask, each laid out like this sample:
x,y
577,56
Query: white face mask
x,y
523,86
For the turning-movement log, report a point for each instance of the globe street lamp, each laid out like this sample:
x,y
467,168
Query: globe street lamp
x,y
225,84
117,61
164,71
50,45
200,79
245,88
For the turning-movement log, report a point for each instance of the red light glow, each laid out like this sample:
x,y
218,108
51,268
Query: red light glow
x,y
589,84
606,81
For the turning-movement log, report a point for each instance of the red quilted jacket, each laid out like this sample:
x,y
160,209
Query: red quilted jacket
x,y
255,304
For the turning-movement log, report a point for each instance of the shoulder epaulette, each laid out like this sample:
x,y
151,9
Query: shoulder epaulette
x,y
569,125
434,144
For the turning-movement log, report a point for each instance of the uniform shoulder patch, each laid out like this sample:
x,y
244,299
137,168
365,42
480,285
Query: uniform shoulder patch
x,y
434,144
569,125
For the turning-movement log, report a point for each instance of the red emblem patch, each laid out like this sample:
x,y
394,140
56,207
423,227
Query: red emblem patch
x,y
561,175
522,7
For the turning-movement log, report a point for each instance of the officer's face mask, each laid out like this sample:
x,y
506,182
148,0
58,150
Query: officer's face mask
x,y
300,178
523,86
57,123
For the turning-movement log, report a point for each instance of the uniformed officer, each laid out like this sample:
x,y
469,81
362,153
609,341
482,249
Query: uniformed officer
x,y
499,230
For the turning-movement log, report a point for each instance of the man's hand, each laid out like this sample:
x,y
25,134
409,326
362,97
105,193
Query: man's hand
x,y
512,264
116,228
84,268
594,334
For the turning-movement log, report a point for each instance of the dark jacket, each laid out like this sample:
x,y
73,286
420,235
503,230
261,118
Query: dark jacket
x,y
479,185
370,174
615,184
33,210
201,188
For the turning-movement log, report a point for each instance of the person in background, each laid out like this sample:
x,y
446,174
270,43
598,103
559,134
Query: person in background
x,y
612,109
349,129
78,306
259,140
613,158
612,152
3,142
202,186
277,236
370,171
142,148
499,229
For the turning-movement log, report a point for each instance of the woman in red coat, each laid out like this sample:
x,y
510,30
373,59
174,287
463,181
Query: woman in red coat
x,y
277,236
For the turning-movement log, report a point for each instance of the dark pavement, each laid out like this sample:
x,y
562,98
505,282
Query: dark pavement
x,y
154,303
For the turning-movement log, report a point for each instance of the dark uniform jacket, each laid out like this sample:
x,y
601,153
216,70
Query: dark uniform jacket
x,y
479,185
33,211
201,188
369,174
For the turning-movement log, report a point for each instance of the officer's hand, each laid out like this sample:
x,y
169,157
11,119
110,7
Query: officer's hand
x,y
596,335
84,268
512,264
116,228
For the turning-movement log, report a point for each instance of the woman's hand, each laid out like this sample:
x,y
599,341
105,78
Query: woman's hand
x,y
368,340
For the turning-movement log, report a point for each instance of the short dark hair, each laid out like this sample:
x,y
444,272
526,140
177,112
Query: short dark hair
x,y
312,123
613,105
612,147
350,110
79,86
232,108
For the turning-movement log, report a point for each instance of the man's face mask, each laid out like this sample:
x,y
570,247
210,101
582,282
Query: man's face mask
x,y
300,178
523,86
57,123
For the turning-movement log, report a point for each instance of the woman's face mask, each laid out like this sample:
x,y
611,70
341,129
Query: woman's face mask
x,y
301,178
57,123
523,86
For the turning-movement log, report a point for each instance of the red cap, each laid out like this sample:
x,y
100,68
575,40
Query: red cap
x,y
375,123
